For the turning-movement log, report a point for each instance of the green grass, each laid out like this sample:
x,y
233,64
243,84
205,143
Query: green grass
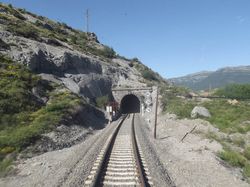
x,y
173,104
233,158
229,118
236,159
180,107
5,166
24,29
15,88
38,122
240,142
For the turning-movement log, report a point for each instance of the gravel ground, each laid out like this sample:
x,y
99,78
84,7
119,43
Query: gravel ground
x,y
157,171
192,162
66,167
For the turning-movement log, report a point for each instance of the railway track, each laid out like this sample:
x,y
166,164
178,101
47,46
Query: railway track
x,y
120,162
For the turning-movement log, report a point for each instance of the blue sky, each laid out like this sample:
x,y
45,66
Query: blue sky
x,y
173,37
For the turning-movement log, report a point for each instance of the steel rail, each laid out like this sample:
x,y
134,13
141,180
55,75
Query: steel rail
x,y
141,172
98,178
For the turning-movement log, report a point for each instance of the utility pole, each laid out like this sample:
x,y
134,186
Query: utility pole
x,y
87,20
156,110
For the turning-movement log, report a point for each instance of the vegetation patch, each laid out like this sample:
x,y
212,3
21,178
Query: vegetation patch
x,y
173,101
106,52
235,91
5,166
102,101
247,153
229,118
181,107
24,29
146,72
236,159
10,10
22,118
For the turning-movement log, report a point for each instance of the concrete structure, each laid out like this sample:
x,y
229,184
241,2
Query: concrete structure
x,y
134,100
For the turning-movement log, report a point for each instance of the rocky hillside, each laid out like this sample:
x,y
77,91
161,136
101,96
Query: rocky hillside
x,y
64,55
53,79
221,77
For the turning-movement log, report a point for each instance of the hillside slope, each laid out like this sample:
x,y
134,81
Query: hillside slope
x,y
216,79
53,78
64,55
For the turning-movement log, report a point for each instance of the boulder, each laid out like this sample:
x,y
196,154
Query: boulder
x,y
200,111
233,102
4,46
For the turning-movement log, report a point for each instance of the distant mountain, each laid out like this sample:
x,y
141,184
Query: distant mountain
x,y
214,79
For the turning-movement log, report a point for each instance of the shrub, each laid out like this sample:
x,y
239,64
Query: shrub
x,y
22,10
38,23
24,29
246,170
146,73
108,52
102,101
10,6
130,64
5,166
235,91
247,153
135,59
66,26
239,142
73,39
149,75
12,11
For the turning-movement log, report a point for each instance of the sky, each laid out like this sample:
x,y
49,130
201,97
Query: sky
x,y
172,37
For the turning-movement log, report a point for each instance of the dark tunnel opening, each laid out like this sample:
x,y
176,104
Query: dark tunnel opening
x,y
130,104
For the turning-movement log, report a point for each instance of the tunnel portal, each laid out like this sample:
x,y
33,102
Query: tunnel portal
x,y
130,104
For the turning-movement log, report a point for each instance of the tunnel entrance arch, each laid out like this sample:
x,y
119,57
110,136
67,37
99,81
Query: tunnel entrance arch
x,y
130,104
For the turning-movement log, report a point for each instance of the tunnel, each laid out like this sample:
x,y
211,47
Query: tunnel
x,y
130,104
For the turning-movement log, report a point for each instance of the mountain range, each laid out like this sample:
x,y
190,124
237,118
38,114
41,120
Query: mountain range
x,y
214,79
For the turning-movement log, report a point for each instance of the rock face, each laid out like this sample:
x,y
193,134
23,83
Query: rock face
x,y
84,74
200,111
